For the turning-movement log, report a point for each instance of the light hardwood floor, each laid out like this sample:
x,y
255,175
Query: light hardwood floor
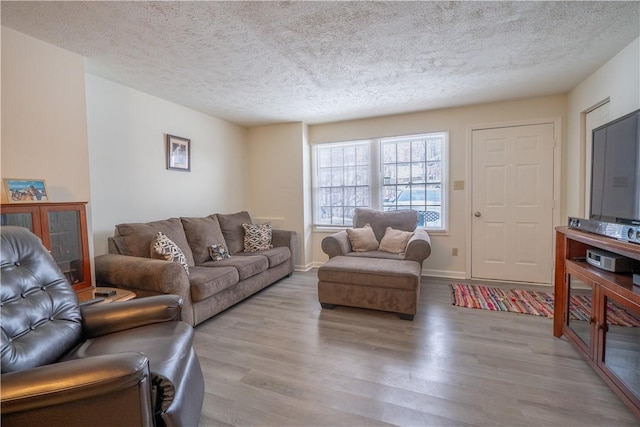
x,y
278,359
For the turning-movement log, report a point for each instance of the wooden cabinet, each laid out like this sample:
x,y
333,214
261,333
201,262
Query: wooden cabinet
x,y
63,230
596,310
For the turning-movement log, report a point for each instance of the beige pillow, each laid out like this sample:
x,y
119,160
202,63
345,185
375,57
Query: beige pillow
x,y
362,239
395,241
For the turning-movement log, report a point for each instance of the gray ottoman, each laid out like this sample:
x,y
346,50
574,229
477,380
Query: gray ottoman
x,y
380,284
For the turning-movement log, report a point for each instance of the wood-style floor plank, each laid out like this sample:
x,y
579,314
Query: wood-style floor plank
x,y
279,359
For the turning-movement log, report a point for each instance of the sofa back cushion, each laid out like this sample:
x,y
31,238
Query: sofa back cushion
x,y
405,220
232,230
201,234
134,239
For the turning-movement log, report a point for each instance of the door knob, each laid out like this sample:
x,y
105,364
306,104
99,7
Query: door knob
x,y
477,214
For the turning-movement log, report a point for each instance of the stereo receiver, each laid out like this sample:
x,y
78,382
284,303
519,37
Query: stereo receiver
x,y
609,261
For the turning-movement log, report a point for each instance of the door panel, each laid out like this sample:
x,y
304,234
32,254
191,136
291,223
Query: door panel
x,y
512,202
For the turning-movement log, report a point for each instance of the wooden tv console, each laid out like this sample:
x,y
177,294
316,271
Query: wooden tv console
x,y
611,349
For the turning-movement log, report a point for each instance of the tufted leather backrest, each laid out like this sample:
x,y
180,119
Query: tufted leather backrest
x,y
40,316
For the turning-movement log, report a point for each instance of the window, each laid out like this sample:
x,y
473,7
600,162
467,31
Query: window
x,y
409,173
342,172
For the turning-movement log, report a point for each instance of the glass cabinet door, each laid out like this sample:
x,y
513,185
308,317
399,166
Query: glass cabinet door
x,y
581,313
66,243
620,356
62,227
27,218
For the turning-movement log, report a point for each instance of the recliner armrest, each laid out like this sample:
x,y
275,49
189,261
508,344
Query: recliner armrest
x,y
419,247
336,244
71,393
102,319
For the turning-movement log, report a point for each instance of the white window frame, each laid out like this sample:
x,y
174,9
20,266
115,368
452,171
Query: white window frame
x,y
376,178
316,178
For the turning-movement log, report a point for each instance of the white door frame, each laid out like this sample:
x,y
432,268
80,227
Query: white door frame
x,y
557,178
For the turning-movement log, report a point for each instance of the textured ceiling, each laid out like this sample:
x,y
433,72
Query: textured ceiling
x,y
255,63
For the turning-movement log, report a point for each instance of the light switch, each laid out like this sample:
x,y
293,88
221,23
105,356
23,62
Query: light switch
x,y
458,185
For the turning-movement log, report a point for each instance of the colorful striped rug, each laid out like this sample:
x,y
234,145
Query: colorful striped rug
x,y
532,302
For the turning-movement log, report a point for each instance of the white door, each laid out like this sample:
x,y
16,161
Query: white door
x,y
512,203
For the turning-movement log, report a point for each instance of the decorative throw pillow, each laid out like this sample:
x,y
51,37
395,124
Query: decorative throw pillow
x,y
362,239
257,237
395,241
219,252
164,248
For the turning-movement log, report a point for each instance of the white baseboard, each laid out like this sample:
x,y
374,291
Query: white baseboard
x,y
306,267
447,274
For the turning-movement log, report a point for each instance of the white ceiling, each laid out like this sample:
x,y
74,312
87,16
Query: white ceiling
x,y
256,63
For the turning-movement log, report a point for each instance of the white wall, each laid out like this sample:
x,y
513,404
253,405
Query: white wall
x,y
129,179
277,170
619,81
459,122
44,124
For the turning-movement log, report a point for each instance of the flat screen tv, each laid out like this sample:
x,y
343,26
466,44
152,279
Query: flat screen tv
x,y
615,171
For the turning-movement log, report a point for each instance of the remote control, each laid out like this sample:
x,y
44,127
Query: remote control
x,y
103,293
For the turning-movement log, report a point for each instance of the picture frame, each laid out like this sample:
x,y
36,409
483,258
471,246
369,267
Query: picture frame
x,y
26,190
178,153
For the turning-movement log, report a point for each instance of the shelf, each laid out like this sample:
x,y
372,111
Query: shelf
x,y
617,281
598,340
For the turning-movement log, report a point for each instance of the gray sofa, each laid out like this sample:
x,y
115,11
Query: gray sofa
x,y
375,279
209,286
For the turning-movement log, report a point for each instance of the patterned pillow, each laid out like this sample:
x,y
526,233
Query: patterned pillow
x,y
164,248
257,237
219,252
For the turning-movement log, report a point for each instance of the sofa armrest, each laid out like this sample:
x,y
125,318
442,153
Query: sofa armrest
x,y
153,275
285,238
419,247
102,319
80,390
336,244
146,276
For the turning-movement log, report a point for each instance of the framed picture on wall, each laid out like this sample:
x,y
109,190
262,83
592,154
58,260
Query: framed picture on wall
x,y
178,153
25,190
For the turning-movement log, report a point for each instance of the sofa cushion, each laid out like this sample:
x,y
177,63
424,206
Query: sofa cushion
x,y
395,241
275,256
232,230
134,239
375,272
164,248
208,281
201,233
375,254
405,220
362,239
257,237
247,265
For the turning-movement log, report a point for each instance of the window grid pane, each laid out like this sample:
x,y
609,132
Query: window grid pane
x,y
413,178
343,182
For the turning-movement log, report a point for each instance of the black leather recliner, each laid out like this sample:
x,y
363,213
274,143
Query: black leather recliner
x,y
122,364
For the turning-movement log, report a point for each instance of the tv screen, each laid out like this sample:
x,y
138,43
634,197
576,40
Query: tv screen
x,y
615,171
